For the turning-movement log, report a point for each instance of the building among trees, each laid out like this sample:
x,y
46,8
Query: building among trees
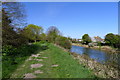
x,y
97,39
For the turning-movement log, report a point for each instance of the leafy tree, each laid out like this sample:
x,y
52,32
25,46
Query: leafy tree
x,y
52,33
86,39
112,40
118,42
43,37
32,32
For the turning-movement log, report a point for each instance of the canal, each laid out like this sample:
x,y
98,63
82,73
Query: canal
x,y
100,56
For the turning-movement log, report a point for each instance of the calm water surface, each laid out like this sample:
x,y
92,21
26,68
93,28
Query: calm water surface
x,y
98,55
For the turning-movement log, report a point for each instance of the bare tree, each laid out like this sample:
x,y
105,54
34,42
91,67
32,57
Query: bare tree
x,y
16,13
52,33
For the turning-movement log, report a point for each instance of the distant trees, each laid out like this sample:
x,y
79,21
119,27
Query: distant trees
x,y
52,33
86,39
112,40
43,37
54,36
32,32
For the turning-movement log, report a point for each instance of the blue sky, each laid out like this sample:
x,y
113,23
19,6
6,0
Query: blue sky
x,y
74,19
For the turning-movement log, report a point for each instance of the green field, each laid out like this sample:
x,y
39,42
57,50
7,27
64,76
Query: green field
x,y
56,64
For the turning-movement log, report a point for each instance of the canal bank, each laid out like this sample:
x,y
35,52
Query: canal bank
x,y
100,70
107,49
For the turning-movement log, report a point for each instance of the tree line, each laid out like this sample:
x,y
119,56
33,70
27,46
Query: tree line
x,y
110,40
13,35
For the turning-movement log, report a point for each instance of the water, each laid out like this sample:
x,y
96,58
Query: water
x,y
98,55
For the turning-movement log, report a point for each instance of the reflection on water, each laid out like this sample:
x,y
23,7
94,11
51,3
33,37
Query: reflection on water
x,y
100,56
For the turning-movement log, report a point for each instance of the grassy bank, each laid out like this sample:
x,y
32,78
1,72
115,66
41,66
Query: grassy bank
x,y
56,63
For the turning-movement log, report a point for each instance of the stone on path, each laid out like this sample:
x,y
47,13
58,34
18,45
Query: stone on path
x,y
36,65
29,75
33,55
54,65
38,71
29,59
38,59
38,54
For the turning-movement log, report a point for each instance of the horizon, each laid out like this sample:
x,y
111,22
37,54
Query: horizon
x,y
74,19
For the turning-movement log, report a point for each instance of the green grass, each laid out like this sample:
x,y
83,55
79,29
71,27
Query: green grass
x,y
17,57
68,67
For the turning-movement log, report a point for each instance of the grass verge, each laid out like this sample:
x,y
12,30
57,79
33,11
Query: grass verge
x,y
67,66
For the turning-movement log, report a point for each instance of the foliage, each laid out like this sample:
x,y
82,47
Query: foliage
x,y
86,39
8,50
118,42
32,32
13,57
112,40
54,36
63,41
69,38
9,35
43,37
52,33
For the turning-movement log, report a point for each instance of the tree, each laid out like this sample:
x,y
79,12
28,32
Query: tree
x,y
9,36
16,13
117,45
52,33
43,37
112,40
12,17
86,39
32,32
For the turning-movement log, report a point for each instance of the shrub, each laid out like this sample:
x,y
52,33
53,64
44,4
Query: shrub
x,y
63,42
8,50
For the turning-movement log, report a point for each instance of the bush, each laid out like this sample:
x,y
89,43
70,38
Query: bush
x,y
63,42
8,50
